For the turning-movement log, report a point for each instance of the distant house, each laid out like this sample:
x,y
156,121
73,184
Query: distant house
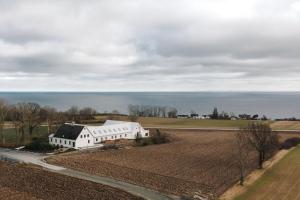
x,y
234,118
182,116
205,117
79,136
195,116
245,116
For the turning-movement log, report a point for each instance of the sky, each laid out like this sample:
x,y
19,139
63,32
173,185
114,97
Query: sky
x,y
150,45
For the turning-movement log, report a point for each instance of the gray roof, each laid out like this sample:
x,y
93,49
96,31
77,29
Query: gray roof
x,y
68,131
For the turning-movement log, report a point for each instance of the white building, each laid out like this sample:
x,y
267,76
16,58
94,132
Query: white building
x,y
79,136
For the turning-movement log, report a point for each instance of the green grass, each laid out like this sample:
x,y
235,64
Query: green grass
x,y
191,123
183,123
11,137
282,181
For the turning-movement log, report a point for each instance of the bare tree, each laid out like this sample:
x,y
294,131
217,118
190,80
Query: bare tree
x,y
3,115
48,115
16,116
73,113
20,120
87,113
172,113
32,117
242,150
262,139
60,119
133,118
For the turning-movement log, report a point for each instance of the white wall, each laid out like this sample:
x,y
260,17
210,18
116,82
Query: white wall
x,y
85,139
61,142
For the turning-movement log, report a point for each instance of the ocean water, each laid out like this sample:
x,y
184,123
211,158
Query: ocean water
x,y
272,104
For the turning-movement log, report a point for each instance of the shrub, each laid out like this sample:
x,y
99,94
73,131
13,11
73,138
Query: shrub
x,y
138,138
159,138
156,138
40,145
109,146
290,142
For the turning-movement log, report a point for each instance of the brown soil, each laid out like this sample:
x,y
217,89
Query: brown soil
x,y
28,183
194,160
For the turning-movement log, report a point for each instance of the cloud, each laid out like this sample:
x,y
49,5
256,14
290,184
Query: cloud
x,y
147,46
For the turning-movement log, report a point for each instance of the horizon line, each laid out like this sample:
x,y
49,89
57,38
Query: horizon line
x,y
140,91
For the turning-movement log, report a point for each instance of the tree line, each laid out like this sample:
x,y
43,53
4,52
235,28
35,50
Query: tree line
x,y
25,117
152,111
224,115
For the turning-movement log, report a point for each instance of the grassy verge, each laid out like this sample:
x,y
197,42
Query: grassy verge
x,y
282,181
10,135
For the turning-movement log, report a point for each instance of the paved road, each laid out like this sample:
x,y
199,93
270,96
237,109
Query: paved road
x,y
28,157
37,159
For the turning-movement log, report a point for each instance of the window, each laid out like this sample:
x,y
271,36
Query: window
x,y
125,135
88,135
120,136
65,142
69,142
81,136
84,136
146,134
59,141
96,139
112,137
50,139
73,144
88,141
55,140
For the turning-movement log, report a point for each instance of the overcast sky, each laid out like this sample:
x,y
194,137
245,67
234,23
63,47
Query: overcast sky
x,y
150,45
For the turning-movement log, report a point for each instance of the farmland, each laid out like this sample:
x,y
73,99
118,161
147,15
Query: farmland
x,y
29,183
182,123
192,161
282,181
286,125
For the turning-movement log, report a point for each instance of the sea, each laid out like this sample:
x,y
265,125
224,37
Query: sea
x,y
271,104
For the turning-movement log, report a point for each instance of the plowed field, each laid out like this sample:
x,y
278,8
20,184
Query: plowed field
x,y
27,183
194,160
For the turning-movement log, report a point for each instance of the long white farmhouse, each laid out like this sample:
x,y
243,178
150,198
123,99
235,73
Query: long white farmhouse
x,y
79,136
